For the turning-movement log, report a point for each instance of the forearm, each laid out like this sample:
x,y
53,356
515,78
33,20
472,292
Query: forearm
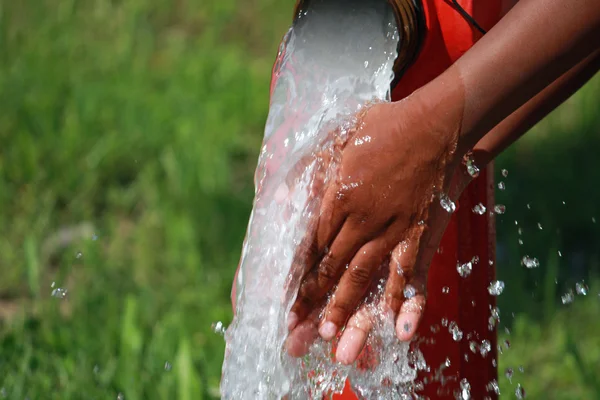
x,y
532,46
520,121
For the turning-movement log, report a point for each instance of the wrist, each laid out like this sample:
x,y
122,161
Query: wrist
x,y
445,101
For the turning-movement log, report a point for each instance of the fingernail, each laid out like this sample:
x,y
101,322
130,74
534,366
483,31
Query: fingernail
x,y
328,330
405,326
292,321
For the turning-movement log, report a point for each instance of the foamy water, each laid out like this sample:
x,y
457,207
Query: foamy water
x,y
331,65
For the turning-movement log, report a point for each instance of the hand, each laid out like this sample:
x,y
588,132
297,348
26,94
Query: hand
x,y
386,199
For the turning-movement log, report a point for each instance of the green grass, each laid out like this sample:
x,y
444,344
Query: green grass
x,y
560,359
129,131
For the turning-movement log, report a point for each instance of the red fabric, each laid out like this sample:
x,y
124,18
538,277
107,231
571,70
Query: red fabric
x,y
468,303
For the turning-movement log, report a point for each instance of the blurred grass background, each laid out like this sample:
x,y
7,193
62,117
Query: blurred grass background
x,y
129,132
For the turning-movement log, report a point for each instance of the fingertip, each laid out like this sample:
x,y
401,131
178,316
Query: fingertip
x,y
301,338
406,325
292,320
350,345
328,330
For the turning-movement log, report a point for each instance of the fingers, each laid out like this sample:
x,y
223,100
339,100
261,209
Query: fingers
x,y
319,281
410,316
303,336
404,295
405,289
354,337
353,285
331,217
401,266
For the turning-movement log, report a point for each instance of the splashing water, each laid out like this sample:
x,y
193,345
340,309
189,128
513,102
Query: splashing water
x,y
530,262
321,80
479,209
465,269
447,204
496,288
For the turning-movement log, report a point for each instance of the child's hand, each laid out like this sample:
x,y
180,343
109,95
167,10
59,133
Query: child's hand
x,y
394,170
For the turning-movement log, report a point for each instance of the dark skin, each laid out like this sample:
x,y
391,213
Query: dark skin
x,y
540,53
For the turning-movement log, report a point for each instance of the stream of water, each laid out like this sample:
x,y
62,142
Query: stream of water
x,y
330,65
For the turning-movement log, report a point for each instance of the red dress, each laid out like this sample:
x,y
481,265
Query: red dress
x,y
468,302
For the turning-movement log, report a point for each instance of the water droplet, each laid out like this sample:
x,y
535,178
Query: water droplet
x,y
509,374
520,392
528,206
493,387
79,255
496,288
500,209
219,328
168,366
444,322
485,348
530,262
465,389
445,290
59,293
94,237
495,313
520,242
469,162
457,334
521,369
568,297
366,64
504,173
507,344
96,369
473,346
501,185
447,204
120,396
559,254
465,269
409,292
594,220
479,209
494,363
473,170
581,288
447,362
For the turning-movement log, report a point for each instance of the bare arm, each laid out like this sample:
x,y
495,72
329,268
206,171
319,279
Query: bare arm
x,y
519,122
532,46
